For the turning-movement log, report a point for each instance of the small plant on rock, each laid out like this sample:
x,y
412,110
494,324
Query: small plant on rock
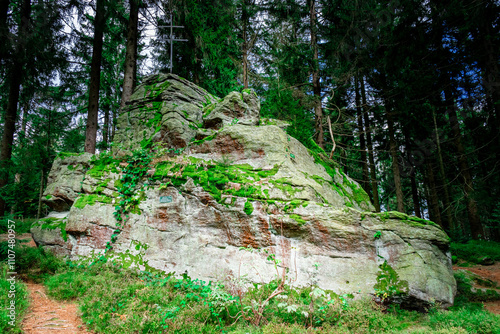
x,y
389,286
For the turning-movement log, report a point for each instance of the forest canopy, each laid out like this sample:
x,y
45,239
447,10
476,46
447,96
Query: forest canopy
x,y
403,94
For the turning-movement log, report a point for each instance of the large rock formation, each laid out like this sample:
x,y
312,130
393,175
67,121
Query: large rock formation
x,y
205,179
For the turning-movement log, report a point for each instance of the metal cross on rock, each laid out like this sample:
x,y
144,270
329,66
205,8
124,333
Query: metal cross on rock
x,y
172,39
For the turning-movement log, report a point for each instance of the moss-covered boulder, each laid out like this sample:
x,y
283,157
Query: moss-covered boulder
x,y
239,183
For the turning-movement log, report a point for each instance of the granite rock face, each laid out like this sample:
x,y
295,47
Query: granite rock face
x,y
239,184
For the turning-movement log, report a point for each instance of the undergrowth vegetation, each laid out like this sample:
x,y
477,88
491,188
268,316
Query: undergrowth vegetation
x,y
115,297
476,251
113,300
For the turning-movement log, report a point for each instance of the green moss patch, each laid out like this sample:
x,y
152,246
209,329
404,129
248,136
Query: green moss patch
x,y
83,200
154,90
207,110
298,219
103,165
63,155
201,141
248,208
411,220
53,223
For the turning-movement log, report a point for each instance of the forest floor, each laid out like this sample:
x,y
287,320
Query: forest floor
x,y
46,315
491,273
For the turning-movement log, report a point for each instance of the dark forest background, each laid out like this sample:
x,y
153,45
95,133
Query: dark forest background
x,y
403,94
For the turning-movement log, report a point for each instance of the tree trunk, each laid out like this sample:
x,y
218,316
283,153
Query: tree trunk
x,y
24,121
22,136
414,193
468,186
95,79
371,157
244,46
130,71
362,143
434,213
113,127
393,148
16,74
491,70
318,110
105,128
4,29
39,211
449,225
413,179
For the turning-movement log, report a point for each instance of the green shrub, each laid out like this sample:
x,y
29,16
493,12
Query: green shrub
x,y
365,316
36,263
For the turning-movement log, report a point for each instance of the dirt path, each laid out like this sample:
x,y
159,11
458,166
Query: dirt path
x,y
49,316
491,273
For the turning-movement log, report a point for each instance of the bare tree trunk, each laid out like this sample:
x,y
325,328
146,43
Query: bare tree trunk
x,y
415,197
130,72
362,143
393,148
4,29
318,109
39,211
95,79
434,213
244,47
450,225
371,157
22,136
113,127
16,75
491,71
24,121
105,128
413,179
468,186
